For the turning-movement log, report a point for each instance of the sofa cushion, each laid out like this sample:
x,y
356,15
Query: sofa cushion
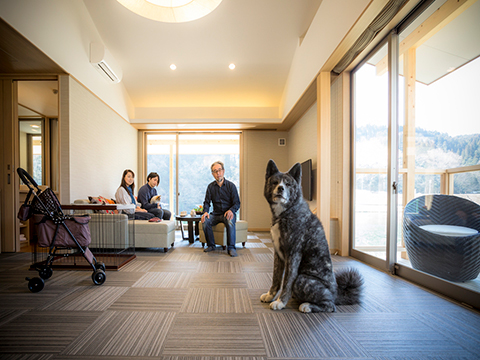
x,y
146,227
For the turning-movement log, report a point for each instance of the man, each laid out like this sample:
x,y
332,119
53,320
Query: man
x,y
224,196
147,192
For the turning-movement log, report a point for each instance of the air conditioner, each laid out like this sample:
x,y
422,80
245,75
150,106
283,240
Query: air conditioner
x,y
104,62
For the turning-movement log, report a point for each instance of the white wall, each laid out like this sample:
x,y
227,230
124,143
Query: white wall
x,y
302,145
324,35
259,147
63,30
102,145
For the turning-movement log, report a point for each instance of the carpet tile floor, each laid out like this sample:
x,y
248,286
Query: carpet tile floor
x,y
188,305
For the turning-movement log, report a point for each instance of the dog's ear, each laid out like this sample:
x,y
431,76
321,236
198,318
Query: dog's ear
x,y
271,169
296,172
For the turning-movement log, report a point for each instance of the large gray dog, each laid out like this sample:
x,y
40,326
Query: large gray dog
x,y
302,258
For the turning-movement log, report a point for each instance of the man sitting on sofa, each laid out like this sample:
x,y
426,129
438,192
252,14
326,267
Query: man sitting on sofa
x,y
147,192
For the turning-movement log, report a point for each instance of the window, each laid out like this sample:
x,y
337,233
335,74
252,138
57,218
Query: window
x,y
183,186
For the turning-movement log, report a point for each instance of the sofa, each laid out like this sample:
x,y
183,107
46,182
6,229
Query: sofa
x,y
220,234
116,231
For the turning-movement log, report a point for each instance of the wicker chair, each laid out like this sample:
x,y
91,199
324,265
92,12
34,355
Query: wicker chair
x,y
442,236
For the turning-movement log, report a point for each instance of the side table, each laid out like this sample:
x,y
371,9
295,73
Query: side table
x,y
191,221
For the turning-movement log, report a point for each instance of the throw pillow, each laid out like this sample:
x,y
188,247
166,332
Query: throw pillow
x,y
110,202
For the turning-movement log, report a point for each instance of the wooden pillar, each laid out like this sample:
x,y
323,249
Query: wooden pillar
x,y
323,151
346,158
409,126
9,159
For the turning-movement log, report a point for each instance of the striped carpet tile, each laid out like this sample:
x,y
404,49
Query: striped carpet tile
x,y
47,332
164,280
398,334
218,280
116,278
150,299
9,315
217,301
166,266
121,333
220,267
194,257
213,358
455,325
68,278
267,257
138,266
20,298
253,245
259,280
256,267
93,298
296,335
27,356
214,335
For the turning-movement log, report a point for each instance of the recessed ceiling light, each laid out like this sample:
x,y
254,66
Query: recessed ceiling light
x,y
173,66
231,66
35,126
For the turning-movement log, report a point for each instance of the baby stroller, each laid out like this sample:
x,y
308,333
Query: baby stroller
x,y
56,230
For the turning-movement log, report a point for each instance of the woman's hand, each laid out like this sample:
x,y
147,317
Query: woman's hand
x,y
138,209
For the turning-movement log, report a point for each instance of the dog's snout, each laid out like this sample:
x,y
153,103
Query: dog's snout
x,y
280,189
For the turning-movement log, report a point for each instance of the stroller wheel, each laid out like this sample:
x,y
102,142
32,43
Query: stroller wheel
x,y
99,277
45,273
100,265
35,285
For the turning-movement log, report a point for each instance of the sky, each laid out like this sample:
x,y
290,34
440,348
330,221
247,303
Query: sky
x,y
449,105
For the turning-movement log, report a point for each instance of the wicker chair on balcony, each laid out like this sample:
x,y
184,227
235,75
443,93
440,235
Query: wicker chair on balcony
x,y
442,236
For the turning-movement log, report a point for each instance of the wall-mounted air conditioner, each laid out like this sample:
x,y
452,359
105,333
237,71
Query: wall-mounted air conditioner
x,y
104,62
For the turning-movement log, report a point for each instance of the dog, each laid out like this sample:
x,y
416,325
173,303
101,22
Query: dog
x,y
155,199
302,265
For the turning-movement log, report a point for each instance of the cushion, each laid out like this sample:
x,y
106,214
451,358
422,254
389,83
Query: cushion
x,y
449,230
102,201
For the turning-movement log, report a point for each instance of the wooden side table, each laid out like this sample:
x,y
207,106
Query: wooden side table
x,y
193,233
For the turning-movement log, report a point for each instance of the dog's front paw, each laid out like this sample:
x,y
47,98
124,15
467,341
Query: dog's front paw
x,y
267,297
277,305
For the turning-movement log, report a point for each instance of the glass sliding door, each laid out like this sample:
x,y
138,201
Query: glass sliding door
x,y
183,162
371,116
440,67
431,157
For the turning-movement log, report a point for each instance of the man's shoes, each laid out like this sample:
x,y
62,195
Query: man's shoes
x,y
232,252
209,248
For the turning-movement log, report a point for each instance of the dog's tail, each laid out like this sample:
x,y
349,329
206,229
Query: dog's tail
x,y
349,282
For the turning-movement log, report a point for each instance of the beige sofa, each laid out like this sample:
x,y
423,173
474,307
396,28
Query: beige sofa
x,y
220,233
110,231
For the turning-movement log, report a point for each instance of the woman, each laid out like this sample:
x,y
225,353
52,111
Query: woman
x,y
124,195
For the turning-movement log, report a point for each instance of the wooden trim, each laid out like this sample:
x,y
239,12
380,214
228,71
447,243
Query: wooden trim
x,y
324,135
463,169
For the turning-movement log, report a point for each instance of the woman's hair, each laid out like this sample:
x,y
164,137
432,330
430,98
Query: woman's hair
x,y
124,184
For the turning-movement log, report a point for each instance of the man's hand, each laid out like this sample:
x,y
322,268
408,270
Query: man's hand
x,y
228,215
205,215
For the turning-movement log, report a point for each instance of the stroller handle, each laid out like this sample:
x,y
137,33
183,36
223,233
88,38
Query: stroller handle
x,y
26,178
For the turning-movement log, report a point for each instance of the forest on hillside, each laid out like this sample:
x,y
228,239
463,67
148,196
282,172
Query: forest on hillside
x,y
433,150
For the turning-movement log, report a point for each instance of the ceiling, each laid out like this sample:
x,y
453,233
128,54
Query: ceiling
x,y
259,37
